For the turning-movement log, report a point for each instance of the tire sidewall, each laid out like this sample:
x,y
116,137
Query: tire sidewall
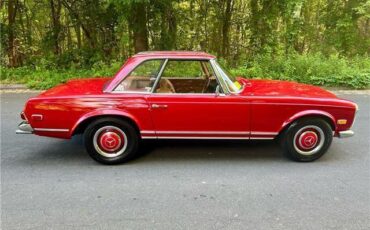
x,y
288,143
131,134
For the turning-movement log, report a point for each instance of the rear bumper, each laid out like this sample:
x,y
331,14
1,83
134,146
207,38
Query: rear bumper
x,y
344,134
24,128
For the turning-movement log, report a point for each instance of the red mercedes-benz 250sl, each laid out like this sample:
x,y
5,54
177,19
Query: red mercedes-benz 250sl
x,y
187,95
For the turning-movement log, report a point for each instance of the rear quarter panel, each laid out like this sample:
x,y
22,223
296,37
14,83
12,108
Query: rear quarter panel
x,y
67,112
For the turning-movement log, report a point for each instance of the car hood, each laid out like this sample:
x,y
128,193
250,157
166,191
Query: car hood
x,y
284,88
87,86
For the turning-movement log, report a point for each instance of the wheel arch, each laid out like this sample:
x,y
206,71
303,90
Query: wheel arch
x,y
309,114
84,121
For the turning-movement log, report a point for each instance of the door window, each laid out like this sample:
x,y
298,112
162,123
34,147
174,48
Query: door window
x,y
187,76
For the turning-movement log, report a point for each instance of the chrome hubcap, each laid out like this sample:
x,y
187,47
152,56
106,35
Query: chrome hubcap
x,y
309,140
110,141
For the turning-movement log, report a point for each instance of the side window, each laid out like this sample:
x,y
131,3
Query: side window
x,y
187,76
142,78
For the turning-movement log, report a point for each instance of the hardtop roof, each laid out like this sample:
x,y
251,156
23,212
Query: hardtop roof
x,y
175,54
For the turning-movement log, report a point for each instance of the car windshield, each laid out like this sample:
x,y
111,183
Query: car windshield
x,y
228,79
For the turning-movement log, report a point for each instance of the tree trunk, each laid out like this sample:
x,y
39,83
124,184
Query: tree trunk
x,y
56,6
168,28
254,39
78,35
139,26
12,49
226,28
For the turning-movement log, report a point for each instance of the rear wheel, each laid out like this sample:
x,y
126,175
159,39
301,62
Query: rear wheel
x,y
307,139
111,140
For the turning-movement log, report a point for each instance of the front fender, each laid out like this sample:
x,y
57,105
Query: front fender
x,y
307,113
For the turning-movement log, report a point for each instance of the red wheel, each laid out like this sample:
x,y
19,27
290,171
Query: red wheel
x,y
111,140
307,139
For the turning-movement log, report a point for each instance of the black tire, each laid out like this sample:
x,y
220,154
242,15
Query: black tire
x,y
101,133
307,139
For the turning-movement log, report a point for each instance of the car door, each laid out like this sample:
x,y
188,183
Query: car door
x,y
184,104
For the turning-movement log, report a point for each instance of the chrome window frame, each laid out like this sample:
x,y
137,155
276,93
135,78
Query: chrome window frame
x,y
223,76
219,78
184,94
164,61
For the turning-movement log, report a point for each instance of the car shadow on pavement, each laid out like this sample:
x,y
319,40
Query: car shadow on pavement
x,y
214,150
66,151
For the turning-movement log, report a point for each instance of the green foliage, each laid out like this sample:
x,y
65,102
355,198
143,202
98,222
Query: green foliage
x,y
45,77
191,69
310,69
323,42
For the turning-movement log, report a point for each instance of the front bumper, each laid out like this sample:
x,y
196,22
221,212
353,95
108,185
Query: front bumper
x,y
24,128
344,134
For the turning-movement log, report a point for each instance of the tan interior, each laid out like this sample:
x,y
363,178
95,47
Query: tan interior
x,y
175,85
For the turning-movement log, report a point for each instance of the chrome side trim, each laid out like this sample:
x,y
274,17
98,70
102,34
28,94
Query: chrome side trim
x,y
262,138
209,138
347,133
201,132
209,132
264,133
147,132
148,137
51,130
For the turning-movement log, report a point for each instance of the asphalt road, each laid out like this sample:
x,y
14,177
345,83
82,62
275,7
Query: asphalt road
x,y
53,184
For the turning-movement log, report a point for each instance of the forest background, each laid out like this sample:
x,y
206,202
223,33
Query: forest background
x,y
320,42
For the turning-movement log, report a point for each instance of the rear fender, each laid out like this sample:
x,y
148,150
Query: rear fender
x,y
105,112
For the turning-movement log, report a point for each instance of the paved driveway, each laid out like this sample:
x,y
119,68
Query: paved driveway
x,y
53,184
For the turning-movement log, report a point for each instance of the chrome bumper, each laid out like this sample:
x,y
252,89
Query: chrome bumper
x,y
344,134
24,128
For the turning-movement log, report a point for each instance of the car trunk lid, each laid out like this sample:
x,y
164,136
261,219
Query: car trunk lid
x,y
88,86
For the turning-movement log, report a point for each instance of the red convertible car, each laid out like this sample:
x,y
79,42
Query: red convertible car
x,y
186,95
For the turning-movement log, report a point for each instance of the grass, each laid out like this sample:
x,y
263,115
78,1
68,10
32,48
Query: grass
x,y
318,70
45,78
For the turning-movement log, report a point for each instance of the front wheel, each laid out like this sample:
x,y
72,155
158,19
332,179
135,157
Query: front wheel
x,y
111,141
307,139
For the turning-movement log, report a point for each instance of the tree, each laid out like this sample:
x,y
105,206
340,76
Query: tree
x,y
227,12
13,55
168,25
84,32
138,25
55,7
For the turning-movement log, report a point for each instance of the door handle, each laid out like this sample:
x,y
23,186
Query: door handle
x,y
156,106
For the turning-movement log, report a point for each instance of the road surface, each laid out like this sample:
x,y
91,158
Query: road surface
x,y
53,184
